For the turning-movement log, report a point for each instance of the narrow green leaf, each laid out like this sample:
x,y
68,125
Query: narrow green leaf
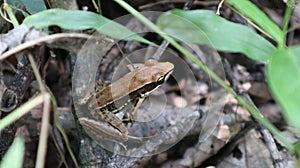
x,y
283,78
205,27
81,20
259,18
297,149
25,6
17,5
34,6
14,156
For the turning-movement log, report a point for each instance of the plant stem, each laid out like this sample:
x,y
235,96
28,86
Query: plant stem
x,y
11,15
19,112
286,20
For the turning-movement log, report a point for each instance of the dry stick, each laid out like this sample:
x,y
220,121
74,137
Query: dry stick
x,y
276,157
45,122
42,146
270,143
188,5
269,140
158,53
165,43
228,148
249,21
206,3
123,54
96,7
219,7
41,40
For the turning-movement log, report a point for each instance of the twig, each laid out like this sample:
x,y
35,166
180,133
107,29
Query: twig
x,y
42,147
40,40
219,7
206,3
41,154
268,138
188,5
249,21
36,73
229,147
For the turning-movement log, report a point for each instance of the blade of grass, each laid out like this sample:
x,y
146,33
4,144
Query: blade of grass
x,y
19,112
11,15
259,18
45,122
15,154
62,132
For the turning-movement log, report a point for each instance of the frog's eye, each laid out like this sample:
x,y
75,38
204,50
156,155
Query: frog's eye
x,y
160,80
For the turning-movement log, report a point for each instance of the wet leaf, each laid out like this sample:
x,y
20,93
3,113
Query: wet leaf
x,y
82,20
205,27
283,78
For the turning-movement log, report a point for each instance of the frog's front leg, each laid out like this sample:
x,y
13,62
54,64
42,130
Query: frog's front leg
x,y
131,116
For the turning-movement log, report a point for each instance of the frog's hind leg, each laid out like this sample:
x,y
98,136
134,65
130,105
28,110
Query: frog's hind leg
x,y
111,119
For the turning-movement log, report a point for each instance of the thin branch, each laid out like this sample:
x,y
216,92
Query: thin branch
x,y
41,40
205,3
163,46
42,147
219,7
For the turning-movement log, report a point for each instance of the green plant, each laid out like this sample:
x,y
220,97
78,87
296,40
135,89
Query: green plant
x,y
265,51
15,154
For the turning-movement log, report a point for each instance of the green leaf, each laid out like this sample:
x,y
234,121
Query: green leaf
x,y
297,149
283,78
81,20
205,27
259,18
32,6
14,156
